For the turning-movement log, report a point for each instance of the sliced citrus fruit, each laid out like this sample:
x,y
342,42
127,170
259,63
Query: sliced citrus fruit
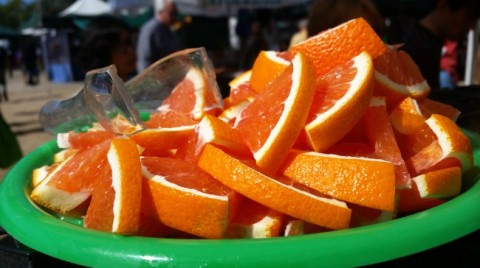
x,y
116,200
406,117
213,130
440,183
340,99
429,107
362,216
241,89
231,114
192,96
397,76
72,181
409,201
79,140
159,141
271,124
382,138
170,119
254,220
187,198
338,45
266,67
281,197
451,147
363,181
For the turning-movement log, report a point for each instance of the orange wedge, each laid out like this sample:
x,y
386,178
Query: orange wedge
x,y
116,200
83,139
397,76
188,199
451,147
159,141
281,197
266,67
382,137
440,183
406,117
253,220
231,114
429,107
363,181
270,133
338,45
71,183
340,99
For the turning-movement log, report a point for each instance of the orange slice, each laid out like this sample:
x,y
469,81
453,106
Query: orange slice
x,y
211,130
159,141
440,183
231,114
266,67
338,45
363,181
241,89
116,200
406,117
397,76
429,107
271,124
382,137
188,102
272,193
83,139
71,183
187,198
254,220
409,201
170,119
340,99
450,148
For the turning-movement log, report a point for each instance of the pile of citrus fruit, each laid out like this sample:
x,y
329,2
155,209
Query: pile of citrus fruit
x,y
336,132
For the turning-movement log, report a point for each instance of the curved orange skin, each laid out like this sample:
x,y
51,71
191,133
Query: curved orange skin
x,y
281,197
336,46
340,177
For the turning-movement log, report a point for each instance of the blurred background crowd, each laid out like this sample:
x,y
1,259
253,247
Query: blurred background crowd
x,y
63,39
66,38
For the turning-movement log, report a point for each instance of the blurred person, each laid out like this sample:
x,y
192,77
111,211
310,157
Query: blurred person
x,y
301,34
108,40
157,39
449,65
3,72
30,59
423,39
256,42
326,14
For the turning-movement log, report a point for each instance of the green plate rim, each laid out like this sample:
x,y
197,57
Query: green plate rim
x,y
37,229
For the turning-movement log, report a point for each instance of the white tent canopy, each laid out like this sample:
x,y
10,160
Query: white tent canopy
x,y
87,8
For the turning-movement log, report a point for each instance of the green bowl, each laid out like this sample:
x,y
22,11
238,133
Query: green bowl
x,y
66,240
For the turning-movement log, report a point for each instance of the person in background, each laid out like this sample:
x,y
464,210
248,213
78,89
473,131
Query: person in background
x,y
424,39
301,34
449,65
30,57
3,72
326,14
156,38
256,42
108,40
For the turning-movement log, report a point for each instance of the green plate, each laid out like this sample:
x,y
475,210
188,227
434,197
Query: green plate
x,y
65,240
